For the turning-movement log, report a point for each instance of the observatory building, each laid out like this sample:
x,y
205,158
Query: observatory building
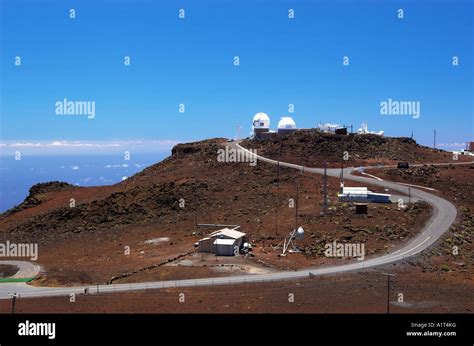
x,y
260,124
364,130
333,128
286,126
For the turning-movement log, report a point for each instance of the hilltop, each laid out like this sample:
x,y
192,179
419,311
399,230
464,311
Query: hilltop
x,y
313,148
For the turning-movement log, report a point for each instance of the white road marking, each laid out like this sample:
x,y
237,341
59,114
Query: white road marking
x,y
373,176
421,187
424,241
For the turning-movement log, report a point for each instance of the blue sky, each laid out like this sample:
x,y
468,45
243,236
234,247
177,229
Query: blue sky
x,y
190,61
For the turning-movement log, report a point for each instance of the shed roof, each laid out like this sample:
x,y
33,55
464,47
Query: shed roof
x,y
231,233
224,241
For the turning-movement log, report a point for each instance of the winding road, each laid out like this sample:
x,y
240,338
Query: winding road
x,y
444,214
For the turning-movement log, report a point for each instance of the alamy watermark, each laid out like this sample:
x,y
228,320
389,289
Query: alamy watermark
x,y
66,107
393,107
28,328
345,250
236,155
30,250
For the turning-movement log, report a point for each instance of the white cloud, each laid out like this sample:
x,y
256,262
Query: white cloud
x,y
452,145
86,147
74,144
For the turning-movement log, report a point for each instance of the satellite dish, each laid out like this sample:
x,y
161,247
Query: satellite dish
x,y
288,243
299,233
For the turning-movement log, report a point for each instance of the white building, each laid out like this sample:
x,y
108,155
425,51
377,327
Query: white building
x,y
363,130
362,194
328,127
286,126
224,242
260,124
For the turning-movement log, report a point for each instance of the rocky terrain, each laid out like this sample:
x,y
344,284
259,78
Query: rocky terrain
x,y
37,194
82,232
312,148
435,282
86,246
454,254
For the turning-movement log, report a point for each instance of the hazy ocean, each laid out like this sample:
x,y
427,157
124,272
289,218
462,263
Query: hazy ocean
x,y
16,177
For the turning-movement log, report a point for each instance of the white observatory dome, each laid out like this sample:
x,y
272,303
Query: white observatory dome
x,y
287,123
261,121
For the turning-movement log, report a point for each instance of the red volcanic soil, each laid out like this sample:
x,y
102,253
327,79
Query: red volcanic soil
x,y
455,183
312,149
89,243
435,281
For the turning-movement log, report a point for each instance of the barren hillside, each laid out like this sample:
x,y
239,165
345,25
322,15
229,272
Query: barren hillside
x,y
312,148
85,243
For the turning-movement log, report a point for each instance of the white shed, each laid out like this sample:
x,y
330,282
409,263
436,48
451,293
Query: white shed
x,y
226,247
222,242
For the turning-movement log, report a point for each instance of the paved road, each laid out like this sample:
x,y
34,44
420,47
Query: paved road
x,y
444,214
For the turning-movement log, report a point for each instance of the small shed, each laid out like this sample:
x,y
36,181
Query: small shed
x,y
222,242
225,247
227,233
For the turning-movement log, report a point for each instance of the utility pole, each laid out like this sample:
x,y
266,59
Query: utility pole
x,y
14,296
296,204
278,190
388,290
434,139
195,197
325,192
342,174
277,199
409,195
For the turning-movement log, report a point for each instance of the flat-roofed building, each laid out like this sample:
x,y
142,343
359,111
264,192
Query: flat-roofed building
x,y
362,194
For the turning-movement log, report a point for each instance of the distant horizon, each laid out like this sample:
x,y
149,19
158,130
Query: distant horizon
x,y
119,70
137,146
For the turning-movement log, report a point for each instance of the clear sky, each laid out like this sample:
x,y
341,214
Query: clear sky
x,y
190,61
